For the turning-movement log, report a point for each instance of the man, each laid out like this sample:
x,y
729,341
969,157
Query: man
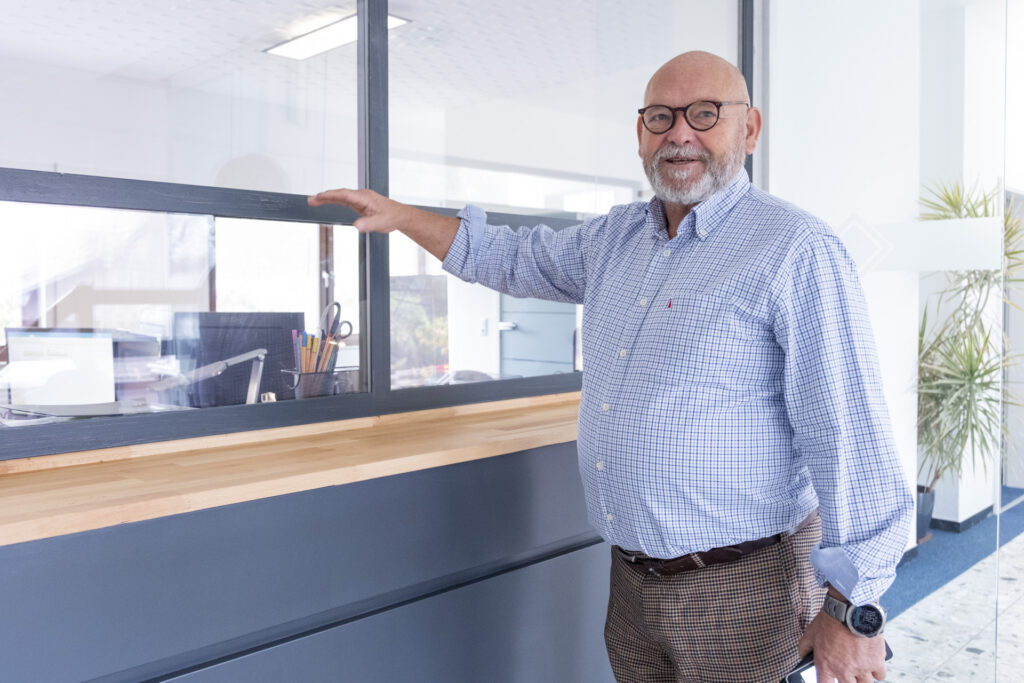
x,y
731,392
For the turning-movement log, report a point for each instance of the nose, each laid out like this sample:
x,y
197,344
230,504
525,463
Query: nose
x,y
680,133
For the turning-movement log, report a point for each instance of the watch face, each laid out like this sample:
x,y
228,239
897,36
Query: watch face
x,y
866,620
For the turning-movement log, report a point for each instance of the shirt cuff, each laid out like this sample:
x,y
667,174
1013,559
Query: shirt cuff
x,y
461,258
833,566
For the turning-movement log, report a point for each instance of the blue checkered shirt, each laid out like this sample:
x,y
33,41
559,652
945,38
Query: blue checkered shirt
x,y
730,380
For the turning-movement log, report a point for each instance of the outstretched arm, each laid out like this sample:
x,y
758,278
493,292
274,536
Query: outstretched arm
x,y
431,231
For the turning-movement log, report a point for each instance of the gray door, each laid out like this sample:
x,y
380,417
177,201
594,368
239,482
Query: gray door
x,y
536,337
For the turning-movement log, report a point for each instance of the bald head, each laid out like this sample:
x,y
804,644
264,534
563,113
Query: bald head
x,y
702,75
684,164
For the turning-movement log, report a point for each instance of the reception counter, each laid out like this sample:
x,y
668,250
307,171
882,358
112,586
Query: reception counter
x,y
447,545
61,494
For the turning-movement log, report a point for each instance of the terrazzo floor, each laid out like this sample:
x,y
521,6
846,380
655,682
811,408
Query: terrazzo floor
x,y
953,634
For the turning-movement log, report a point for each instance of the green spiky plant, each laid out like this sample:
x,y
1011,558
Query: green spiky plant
x,y
960,364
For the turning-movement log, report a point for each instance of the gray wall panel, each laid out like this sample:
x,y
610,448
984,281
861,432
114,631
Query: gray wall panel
x,y
541,623
158,596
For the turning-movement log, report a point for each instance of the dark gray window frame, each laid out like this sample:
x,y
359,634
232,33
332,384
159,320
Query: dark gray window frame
x,y
378,397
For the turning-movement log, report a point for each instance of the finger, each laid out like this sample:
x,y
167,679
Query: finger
x,y
804,646
879,673
350,198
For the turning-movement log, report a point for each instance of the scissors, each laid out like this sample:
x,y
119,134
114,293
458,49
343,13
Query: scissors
x,y
331,323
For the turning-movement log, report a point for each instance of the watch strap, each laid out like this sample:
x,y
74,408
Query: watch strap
x,y
836,609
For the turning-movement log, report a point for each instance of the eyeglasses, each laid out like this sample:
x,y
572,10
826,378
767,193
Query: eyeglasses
x,y
701,115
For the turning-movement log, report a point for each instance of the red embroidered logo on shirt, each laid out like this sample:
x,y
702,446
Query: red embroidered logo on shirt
x,y
670,303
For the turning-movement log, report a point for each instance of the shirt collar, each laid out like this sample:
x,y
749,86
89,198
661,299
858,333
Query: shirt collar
x,y
705,216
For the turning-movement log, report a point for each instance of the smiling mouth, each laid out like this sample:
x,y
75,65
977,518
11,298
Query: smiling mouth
x,y
679,161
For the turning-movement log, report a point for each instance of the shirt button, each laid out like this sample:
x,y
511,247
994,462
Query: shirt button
x,y
622,353
643,302
609,516
600,465
605,406
667,252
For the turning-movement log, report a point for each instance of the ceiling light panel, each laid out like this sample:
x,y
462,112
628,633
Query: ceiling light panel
x,y
325,38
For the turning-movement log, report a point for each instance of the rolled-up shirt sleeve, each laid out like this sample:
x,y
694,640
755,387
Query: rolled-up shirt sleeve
x,y
841,426
524,262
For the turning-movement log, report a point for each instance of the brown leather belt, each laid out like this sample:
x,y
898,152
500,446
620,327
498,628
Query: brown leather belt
x,y
707,558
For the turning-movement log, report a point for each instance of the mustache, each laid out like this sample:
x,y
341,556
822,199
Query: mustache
x,y
688,151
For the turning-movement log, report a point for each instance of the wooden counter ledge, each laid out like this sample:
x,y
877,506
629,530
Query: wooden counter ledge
x,y
62,494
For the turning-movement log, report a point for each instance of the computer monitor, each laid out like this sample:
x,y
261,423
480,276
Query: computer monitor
x,y
56,366
130,354
201,338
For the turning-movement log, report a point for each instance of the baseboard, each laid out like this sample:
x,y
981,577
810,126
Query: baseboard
x,y
947,525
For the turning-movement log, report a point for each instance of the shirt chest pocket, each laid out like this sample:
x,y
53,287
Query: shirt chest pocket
x,y
707,338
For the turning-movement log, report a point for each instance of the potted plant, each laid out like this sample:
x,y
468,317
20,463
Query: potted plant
x,y
961,361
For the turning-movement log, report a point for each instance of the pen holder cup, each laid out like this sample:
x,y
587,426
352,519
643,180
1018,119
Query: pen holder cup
x,y
313,384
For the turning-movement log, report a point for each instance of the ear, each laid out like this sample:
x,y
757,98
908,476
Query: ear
x,y
639,135
753,124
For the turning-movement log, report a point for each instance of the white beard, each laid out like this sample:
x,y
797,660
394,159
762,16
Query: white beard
x,y
677,186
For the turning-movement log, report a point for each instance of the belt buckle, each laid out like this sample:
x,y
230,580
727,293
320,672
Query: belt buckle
x,y
632,558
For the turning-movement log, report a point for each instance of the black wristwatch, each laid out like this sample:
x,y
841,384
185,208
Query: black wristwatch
x,y
866,621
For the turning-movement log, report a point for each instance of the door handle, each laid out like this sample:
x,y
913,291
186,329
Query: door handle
x,y
504,326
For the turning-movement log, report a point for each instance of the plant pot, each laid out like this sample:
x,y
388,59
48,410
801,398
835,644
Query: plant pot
x,y
925,507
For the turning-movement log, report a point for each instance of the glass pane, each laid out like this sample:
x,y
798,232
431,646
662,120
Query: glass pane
x,y
107,312
500,108
496,107
1011,520
177,92
900,148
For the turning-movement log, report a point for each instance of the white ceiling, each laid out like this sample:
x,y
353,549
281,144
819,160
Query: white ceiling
x,y
452,50
148,39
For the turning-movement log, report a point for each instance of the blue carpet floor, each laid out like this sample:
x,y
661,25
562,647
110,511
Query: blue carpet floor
x,y
949,554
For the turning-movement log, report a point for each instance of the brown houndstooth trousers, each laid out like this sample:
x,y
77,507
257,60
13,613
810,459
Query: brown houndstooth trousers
x,y
737,622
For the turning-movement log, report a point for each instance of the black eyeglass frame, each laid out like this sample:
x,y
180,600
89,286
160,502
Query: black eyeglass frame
x,y
676,110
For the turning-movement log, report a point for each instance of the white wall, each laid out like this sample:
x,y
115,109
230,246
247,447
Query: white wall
x,y
475,343
942,92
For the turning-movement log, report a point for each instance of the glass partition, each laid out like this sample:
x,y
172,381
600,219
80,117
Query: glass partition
x,y
528,110
177,92
893,133
201,140
111,312
1011,517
